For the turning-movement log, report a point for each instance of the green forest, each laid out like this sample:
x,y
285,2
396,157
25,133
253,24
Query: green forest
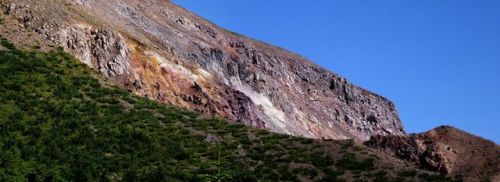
x,y
61,121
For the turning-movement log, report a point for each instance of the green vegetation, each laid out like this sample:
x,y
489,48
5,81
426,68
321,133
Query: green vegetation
x,y
434,178
350,162
408,173
60,122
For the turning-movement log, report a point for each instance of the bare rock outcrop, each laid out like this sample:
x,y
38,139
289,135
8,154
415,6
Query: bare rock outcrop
x,y
446,150
101,49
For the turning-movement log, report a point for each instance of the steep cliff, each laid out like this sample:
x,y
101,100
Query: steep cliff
x,y
163,52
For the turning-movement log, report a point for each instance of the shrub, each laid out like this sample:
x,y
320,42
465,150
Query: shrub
x,y
350,162
408,173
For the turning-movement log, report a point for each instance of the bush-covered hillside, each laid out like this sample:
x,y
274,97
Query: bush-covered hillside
x,y
59,121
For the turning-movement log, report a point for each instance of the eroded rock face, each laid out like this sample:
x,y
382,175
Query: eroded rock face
x,y
161,51
424,152
101,49
446,150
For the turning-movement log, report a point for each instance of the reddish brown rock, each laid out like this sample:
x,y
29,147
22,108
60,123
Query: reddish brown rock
x,y
447,150
159,50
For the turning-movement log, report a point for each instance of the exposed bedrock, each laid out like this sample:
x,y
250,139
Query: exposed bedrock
x,y
161,51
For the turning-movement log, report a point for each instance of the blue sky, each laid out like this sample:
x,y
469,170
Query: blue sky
x,y
438,60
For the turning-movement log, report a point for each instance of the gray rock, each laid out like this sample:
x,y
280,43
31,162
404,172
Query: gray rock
x,y
101,49
11,8
212,139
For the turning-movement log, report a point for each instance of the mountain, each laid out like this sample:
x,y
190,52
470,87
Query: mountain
x,y
161,51
445,149
62,121
160,74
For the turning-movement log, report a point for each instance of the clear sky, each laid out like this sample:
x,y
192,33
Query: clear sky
x,y
438,60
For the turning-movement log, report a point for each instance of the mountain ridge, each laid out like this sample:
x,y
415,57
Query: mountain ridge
x,y
166,53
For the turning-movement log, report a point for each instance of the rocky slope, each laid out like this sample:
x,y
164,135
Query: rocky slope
x,y
445,149
163,52
61,121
